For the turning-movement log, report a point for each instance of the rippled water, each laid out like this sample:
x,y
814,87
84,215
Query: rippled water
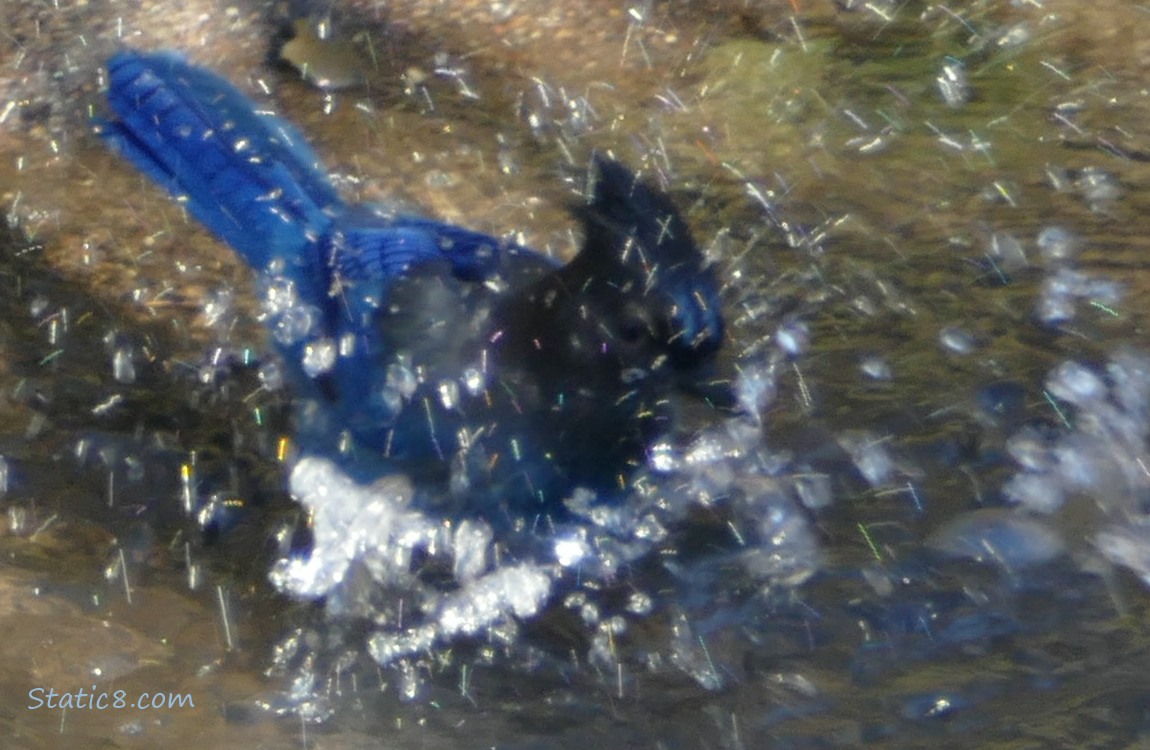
x,y
878,183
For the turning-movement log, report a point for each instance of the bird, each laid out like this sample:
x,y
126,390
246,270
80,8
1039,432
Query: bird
x,y
497,378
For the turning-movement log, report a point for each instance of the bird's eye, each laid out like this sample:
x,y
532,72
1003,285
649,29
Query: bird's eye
x,y
634,324
631,331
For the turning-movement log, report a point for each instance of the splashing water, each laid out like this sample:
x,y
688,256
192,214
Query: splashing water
x,y
372,547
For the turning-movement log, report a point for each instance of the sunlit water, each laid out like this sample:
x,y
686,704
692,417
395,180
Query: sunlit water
x,y
930,224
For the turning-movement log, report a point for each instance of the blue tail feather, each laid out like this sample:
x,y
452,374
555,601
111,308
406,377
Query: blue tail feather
x,y
253,180
250,178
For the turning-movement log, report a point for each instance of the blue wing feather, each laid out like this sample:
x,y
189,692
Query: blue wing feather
x,y
389,247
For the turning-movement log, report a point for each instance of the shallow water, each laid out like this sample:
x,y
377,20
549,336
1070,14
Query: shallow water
x,y
847,202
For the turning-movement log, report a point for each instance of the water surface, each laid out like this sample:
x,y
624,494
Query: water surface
x,y
849,198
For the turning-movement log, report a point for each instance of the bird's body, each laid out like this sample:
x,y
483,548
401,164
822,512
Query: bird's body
x,y
477,366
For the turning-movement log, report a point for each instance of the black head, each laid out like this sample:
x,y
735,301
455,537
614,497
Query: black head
x,y
640,269
595,349
638,302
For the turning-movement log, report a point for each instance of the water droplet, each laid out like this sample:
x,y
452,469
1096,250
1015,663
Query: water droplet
x,y
123,369
319,357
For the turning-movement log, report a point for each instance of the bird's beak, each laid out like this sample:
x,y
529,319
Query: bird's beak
x,y
706,382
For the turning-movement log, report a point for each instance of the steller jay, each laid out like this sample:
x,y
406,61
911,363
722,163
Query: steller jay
x,y
496,378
